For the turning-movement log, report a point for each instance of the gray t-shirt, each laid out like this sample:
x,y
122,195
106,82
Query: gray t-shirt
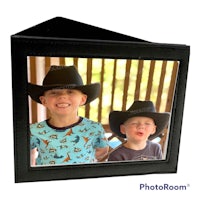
x,y
152,151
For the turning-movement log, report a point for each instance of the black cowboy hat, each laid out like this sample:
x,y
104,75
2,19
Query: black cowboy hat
x,y
139,108
65,77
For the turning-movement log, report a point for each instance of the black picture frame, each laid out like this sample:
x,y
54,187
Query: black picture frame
x,y
51,39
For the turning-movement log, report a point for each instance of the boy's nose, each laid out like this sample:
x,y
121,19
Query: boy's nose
x,y
140,125
63,94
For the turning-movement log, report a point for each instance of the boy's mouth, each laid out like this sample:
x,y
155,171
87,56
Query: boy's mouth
x,y
140,133
62,105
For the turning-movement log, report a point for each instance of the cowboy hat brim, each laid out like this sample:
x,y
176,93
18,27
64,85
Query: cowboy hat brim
x,y
92,90
116,118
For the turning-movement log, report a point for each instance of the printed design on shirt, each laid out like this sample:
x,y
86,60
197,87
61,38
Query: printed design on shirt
x,y
73,145
56,156
146,157
68,133
40,125
67,158
86,139
54,136
76,140
46,142
43,132
77,149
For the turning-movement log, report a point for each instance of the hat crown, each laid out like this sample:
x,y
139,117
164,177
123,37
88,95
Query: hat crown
x,y
142,106
62,75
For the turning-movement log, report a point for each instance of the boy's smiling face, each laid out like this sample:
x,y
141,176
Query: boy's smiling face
x,y
63,101
138,129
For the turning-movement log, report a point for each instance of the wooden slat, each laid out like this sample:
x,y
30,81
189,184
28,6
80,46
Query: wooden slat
x,y
62,61
138,81
33,80
163,140
76,62
161,83
113,84
101,91
172,87
47,67
150,80
47,64
126,84
88,81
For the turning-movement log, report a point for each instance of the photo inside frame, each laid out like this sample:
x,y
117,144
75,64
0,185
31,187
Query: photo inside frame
x,y
122,82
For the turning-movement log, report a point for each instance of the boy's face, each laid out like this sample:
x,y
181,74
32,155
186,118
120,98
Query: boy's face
x,y
138,129
63,101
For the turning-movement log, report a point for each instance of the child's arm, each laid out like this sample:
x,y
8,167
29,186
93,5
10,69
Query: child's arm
x,y
101,153
33,155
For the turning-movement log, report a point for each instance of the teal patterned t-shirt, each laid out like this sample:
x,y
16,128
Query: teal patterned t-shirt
x,y
70,145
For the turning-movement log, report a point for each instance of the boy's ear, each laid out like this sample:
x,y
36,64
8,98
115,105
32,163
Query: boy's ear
x,y
154,130
122,129
83,100
43,100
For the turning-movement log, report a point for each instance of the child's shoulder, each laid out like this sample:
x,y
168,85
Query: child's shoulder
x,y
152,144
89,122
38,124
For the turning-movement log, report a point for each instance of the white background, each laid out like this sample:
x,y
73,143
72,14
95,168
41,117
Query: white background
x,y
170,21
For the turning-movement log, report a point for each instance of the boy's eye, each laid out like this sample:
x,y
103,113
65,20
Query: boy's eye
x,y
69,91
53,92
134,123
60,92
137,124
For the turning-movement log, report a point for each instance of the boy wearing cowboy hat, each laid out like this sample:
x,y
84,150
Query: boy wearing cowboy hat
x,y
139,124
65,138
